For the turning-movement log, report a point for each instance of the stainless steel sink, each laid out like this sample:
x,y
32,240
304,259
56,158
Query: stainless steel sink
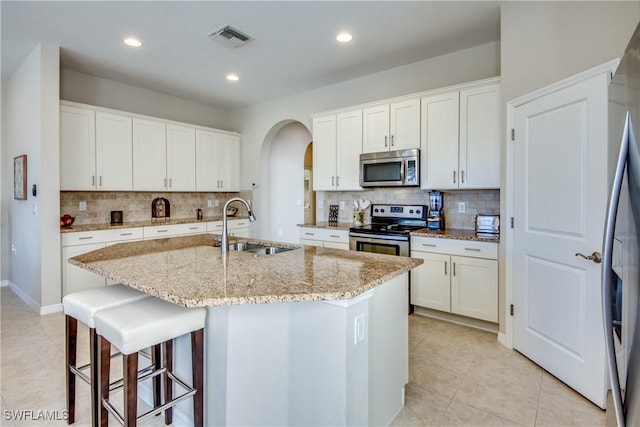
x,y
257,248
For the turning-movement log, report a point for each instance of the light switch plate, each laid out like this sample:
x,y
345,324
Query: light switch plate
x,y
462,207
82,206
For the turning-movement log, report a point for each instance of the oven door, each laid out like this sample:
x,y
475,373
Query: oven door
x,y
379,244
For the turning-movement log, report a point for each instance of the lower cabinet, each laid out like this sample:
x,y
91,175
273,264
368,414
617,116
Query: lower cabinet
x,y
457,276
235,227
324,238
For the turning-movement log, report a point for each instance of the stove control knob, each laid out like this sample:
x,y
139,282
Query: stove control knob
x,y
376,210
382,210
411,211
418,211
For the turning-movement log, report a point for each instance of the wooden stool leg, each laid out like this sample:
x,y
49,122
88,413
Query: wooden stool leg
x,y
197,371
168,383
71,334
103,378
95,385
130,373
157,385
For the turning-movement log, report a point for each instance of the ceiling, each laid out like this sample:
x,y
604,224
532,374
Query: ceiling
x,y
294,47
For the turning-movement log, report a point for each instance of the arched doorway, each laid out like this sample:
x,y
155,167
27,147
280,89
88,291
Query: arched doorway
x,y
283,160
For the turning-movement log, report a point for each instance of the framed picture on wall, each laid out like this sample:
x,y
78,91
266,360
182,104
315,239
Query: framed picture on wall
x,y
20,177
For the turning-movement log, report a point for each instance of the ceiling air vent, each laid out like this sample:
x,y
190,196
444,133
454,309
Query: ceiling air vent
x,y
229,36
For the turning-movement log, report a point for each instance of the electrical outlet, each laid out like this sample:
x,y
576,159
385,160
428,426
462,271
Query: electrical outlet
x,y
82,206
216,203
321,204
209,203
342,206
462,207
14,250
359,329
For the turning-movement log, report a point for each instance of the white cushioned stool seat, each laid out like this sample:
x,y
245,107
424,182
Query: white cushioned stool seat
x,y
147,322
84,305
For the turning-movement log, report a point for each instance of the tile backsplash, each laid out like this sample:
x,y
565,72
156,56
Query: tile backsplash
x,y
476,202
136,206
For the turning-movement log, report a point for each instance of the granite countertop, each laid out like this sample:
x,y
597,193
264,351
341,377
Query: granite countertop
x,y
457,234
148,223
192,272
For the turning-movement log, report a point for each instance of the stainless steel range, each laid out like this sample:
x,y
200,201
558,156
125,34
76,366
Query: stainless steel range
x,y
389,230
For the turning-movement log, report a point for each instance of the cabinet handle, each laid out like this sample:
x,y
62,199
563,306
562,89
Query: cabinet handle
x,y
93,180
454,177
162,231
310,234
337,181
472,249
462,177
221,184
333,181
334,236
429,245
100,180
170,183
385,140
85,238
219,226
193,228
240,223
445,268
454,269
165,183
126,234
392,141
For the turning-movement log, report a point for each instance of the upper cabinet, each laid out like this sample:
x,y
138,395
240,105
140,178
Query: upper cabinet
x,y
95,150
217,161
461,139
391,126
104,150
337,145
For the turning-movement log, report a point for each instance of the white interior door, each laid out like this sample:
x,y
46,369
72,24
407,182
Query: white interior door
x,y
560,193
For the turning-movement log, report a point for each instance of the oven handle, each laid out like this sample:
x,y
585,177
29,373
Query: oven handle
x,y
368,237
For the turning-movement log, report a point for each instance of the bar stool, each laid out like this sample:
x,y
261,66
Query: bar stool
x,y
142,324
82,306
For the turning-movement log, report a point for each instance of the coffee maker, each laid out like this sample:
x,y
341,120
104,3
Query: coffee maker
x,y
435,218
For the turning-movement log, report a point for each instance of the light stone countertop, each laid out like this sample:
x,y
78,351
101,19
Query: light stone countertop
x,y
190,271
148,223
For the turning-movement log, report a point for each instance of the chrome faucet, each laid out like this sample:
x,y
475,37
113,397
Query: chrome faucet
x,y
225,238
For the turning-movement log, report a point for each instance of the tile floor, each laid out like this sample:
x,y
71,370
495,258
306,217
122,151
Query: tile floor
x,y
458,377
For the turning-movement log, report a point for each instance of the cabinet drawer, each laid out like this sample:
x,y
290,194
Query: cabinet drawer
x,y
194,228
81,238
232,224
122,235
469,248
337,236
159,231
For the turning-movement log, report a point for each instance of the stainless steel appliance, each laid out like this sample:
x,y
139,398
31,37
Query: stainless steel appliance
x,y
389,230
390,169
620,279
435,219
487,224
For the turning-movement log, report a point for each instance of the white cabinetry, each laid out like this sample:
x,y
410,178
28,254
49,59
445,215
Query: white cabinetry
x,y
394,126
73,244
217,161
461,138
114,154
325,238
163,156
95,150
337,147
457,276
235,227
173,230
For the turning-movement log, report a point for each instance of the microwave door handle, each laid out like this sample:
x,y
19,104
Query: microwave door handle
x,y
403,171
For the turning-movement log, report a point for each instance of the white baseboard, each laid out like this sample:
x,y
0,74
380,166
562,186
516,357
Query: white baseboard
x,y
502,339
4,283
459,320
33,304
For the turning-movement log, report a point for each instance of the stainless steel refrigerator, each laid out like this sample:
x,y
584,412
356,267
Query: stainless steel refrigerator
x,y
620,279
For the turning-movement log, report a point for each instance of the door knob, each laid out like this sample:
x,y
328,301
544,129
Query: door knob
x,y
595,257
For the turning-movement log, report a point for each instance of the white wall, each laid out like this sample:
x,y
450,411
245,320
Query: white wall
x,y
286,162
31,128
79,87
258,121
543,42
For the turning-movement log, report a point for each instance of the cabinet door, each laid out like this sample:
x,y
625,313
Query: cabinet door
x,y
149,155
229,162
77,149
74,278
439,137
181,158
324,153
349,148
114,153
480,137
240,232
430,282
474,288
375,129
207,161
335,245
405,124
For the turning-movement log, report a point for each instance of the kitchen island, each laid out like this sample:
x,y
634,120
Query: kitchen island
x,y
311,336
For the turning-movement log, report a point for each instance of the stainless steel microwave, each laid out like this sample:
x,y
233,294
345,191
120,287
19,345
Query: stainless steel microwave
x,y
390,169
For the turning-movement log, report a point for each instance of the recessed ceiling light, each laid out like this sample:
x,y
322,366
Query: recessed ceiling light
x,y
344,37
233,77
133,42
